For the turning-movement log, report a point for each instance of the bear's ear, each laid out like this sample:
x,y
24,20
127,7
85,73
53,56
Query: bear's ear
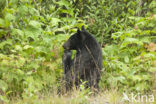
x,y
80,35
82,28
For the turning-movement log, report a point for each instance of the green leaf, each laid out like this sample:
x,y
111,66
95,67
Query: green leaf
x,y
120,78
137,78
54,21
35,24
27,47
4,98
126,58
9,17
16,32
130,41
3,85
2,22
20,72
23,10
63,3
152,69
18,47
70,11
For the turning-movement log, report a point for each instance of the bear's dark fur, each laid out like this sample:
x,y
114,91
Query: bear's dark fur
x,y
66,60
87,63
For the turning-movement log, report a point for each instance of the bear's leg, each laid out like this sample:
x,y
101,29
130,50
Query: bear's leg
x,y
94,80
67,63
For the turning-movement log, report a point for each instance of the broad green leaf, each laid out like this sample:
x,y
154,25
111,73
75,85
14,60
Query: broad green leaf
x,y
27,47
137,78
54,21
20,72
2,22
152,69
63,3
120,78
131,41
17,32
35,24
3,85
4,99
23,10
18,47
9,17
126,59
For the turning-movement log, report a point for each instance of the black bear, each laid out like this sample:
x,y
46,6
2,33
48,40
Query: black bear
x,y
87,63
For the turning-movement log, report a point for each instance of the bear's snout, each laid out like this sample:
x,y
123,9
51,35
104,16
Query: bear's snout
x,y
65,46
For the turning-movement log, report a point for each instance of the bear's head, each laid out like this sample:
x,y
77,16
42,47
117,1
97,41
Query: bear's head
x,y
75,41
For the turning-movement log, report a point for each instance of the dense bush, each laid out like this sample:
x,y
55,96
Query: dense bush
x,y
30,51
32,33
105,17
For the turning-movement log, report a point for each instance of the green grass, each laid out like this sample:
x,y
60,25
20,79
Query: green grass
x,y
77,97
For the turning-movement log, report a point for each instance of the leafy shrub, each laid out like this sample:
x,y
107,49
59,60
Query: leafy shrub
x,y
30,49
129,65
32,33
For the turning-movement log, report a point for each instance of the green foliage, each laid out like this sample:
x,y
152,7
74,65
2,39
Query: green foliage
x,y
130,63
82,95
30,46
106,17
32,33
